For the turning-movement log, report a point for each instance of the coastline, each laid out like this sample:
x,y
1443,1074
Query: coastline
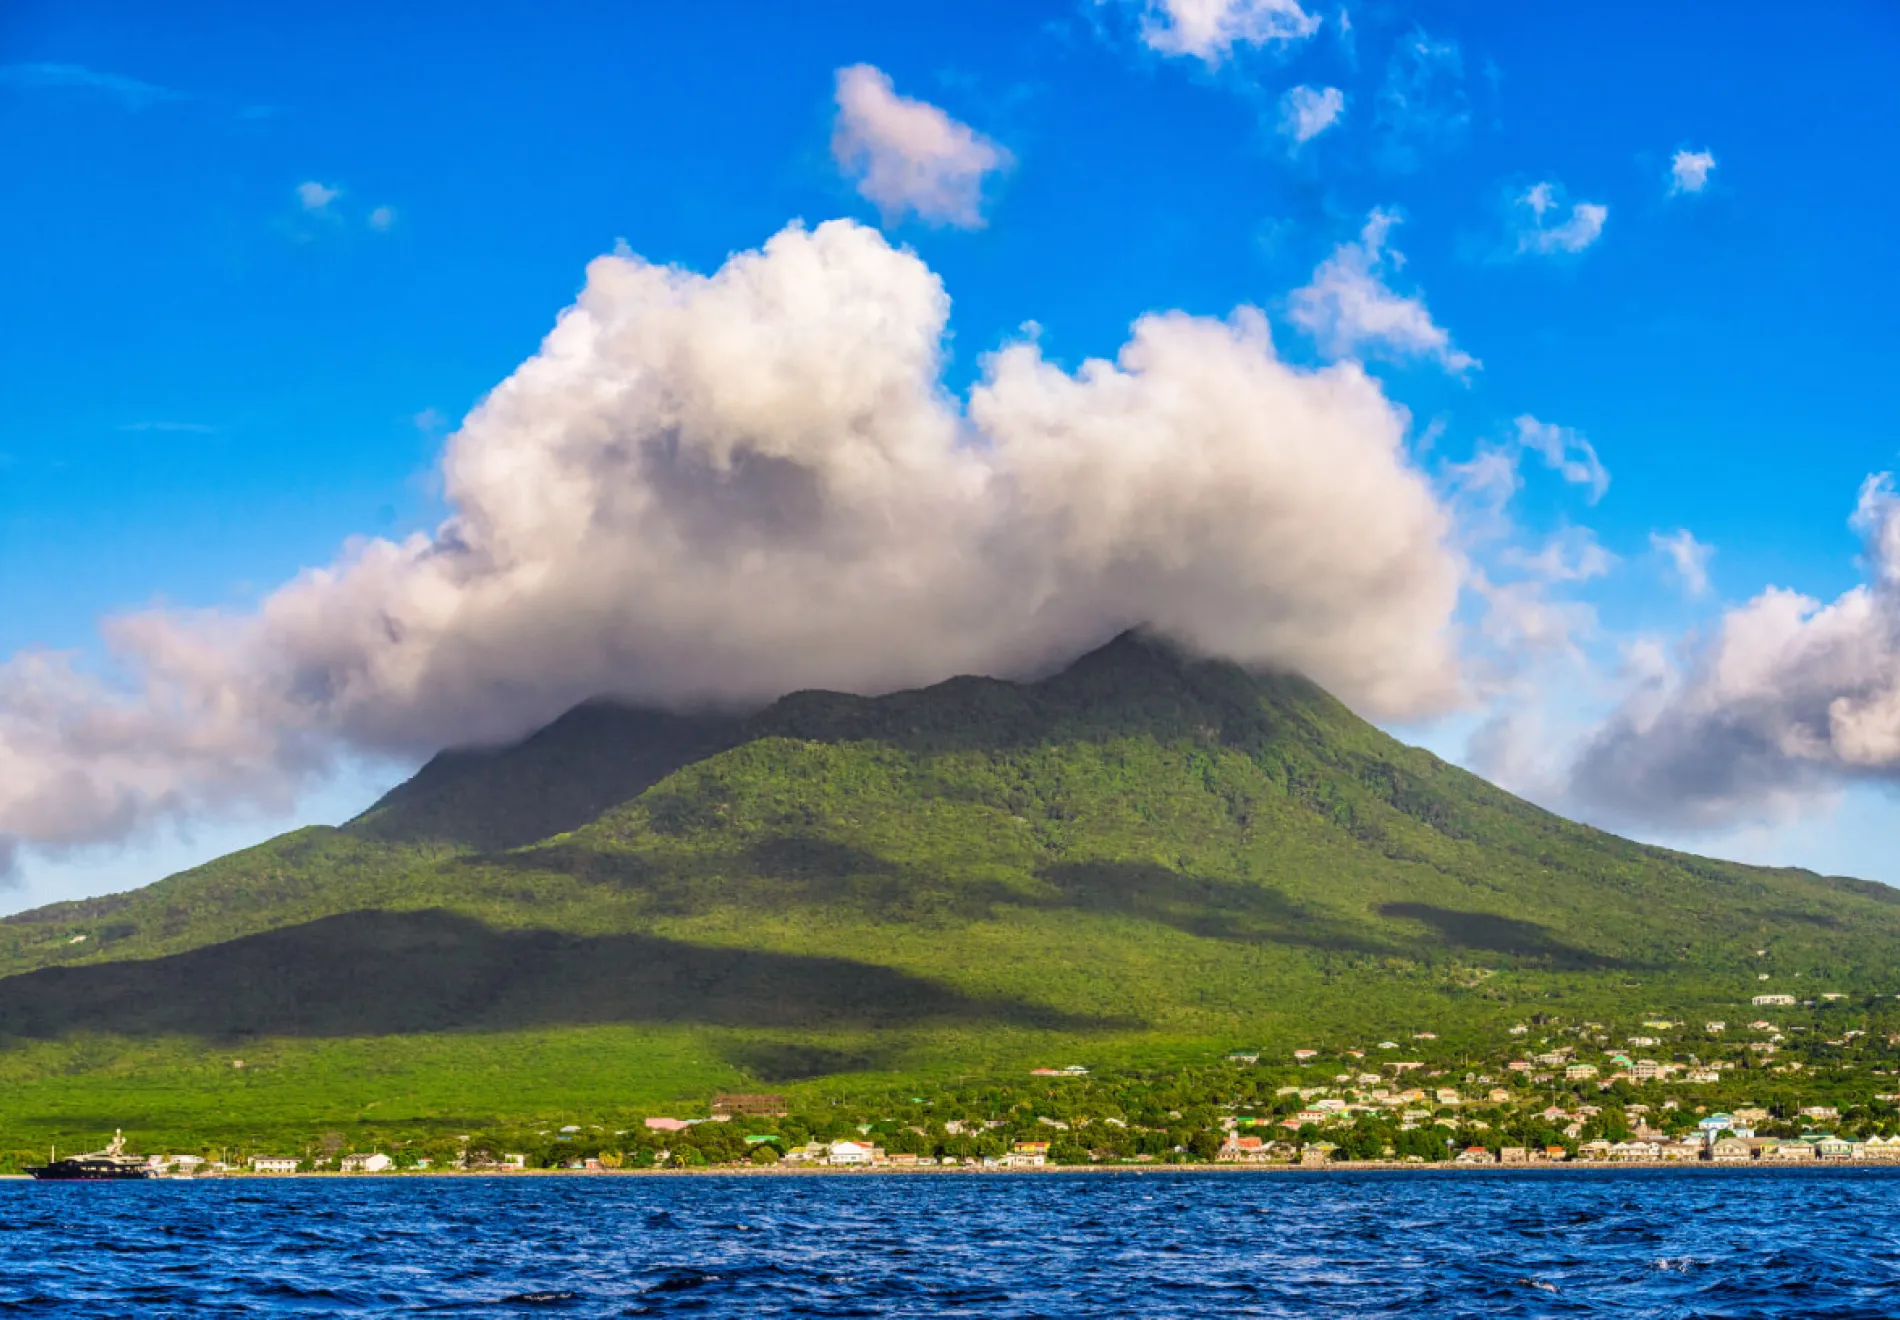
x,y
1334,1167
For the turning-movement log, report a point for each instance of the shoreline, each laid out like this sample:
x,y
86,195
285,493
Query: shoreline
x,y
1335,1167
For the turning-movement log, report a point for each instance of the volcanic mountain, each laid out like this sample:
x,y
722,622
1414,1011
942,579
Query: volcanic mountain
x,y
1144,856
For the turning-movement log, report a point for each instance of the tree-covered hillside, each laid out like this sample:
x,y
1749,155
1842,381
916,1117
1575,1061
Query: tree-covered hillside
x,y
1141,857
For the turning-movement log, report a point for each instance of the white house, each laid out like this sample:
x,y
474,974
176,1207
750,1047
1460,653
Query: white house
x,y
845,1153
274,1164
377,1162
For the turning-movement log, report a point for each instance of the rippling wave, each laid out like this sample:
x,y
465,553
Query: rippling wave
x,y
1820,1245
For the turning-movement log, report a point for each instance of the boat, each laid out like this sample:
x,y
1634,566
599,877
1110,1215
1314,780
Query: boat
x,y
109,1165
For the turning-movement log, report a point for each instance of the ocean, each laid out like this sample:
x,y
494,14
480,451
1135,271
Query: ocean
x,y
1814,1244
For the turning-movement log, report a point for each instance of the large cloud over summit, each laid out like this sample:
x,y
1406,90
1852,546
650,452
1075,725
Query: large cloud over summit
x,y
719,488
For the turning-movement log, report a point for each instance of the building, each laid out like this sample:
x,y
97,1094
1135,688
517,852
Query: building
x,y
1730,1150
375,1162
1475,1155
1832,1148
847,1154
274,1163
1773,1001
755,1106
1028,1155
1318,1152
1578,1072
668,1124
1514,1155
1244,1150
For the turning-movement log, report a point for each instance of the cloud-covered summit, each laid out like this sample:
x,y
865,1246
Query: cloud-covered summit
x,y
718,488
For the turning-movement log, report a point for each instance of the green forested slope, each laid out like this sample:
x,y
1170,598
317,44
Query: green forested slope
x,y
1140,856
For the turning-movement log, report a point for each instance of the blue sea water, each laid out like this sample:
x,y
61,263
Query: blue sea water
x,y
1664,1243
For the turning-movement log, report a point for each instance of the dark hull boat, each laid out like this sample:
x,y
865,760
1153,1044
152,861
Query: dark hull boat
x,y
109,1165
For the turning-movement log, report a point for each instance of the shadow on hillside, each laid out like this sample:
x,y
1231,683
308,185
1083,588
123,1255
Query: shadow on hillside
x,y
394,973
807,870
781,1061
1489,933
772,874
1211,909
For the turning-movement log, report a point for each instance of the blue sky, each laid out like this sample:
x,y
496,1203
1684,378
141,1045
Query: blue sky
x,y
264,263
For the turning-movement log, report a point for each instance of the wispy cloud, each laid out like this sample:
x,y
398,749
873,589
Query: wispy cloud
x,y
1565,452
1689,171
1688,556
134,93
382,219
1422,105
907,155
1306,112
1348,307
1540,231
179,428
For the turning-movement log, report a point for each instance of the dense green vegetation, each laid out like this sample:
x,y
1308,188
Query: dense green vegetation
x,y
1140,861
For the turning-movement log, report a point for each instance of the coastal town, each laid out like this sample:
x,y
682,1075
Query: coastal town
x,y
1786,1082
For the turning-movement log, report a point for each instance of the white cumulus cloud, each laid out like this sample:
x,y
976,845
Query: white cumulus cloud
x,y
1349,309
1689,171
1785,699
1208,30
1306,112
718,488
908,155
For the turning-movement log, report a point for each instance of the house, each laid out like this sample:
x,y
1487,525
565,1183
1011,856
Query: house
x,y
1676,1152
1821,1113
1880,1148
1730,1150
1715,1028
1715,1123
1244,1150
1306,1054
1634,1151
1788,1152
1306,1116
1594,1150
1318,1152
851,1154
1577,1072
668,1124
1475,1155
375,1162
1773,1001
1646,1070
1028,1155
1556,1154
1833,1148
1514,1155
274,1163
